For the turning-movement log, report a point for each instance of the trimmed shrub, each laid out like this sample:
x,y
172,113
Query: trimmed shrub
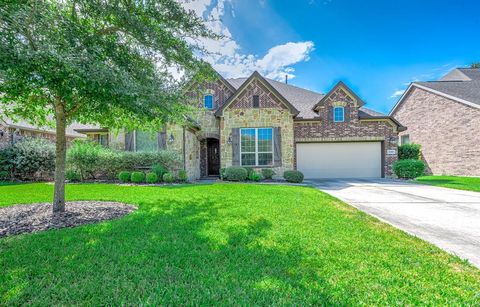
x,y
249,171
268,173
29,159
159,170
409,169
182,176
83,157
72,176
222,173
235,173
138,177
409,152
152,178
293,176
112,162
124,176
254,176
168,177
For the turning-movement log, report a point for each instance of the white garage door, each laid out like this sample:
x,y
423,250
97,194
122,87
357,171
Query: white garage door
x,y
340,160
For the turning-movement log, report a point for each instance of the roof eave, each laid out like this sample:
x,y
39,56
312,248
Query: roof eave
x,y
257,75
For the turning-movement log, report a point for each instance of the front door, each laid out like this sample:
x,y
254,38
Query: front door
x,y
213,157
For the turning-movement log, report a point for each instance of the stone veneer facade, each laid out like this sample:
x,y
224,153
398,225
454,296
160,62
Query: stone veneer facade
x,y
13,134
448,130
352,129
272,112
258,118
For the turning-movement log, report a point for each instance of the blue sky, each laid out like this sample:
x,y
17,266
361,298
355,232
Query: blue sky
x,y
376,47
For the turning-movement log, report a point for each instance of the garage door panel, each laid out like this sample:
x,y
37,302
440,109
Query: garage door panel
x,y
340,160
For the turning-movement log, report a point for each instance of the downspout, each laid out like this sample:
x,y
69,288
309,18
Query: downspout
x,y
184,153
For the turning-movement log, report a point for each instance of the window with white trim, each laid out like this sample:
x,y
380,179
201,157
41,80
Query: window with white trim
x,y
405,139
208,101
338,114
256,146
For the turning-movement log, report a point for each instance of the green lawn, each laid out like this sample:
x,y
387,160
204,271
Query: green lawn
x,y
453,182
227,244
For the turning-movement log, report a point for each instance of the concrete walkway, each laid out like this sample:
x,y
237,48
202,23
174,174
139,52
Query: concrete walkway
x,y
445,217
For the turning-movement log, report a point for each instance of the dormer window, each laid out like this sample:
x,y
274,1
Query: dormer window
x,y
256,101
208,102
338,114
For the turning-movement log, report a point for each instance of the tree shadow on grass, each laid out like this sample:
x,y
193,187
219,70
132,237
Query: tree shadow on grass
x,y
168,252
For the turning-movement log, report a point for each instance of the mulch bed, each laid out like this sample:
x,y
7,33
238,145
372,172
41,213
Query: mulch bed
x,y
20,219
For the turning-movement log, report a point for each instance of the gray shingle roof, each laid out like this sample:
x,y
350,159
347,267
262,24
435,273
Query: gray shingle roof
x,y
366,112
303,100
462,74
466,90
22,124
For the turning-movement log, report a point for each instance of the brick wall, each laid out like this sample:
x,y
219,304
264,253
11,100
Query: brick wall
x,y
353,129
266,98
448,131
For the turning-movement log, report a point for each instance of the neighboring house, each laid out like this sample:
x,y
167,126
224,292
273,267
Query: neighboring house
x,y
444,117
261,123
13,131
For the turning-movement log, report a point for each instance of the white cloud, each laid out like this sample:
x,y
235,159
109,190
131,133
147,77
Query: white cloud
x,y
226,55
397,93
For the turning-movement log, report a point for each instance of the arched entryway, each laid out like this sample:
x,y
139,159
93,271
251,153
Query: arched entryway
x,y
213,157
210,156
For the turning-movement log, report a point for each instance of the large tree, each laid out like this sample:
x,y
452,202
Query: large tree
x,y
106,62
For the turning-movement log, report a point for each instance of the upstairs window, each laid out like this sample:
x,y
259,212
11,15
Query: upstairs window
x,y
405,139
256,101
208,101
338,114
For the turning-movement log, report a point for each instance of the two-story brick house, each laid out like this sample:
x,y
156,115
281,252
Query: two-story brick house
x,y
261,123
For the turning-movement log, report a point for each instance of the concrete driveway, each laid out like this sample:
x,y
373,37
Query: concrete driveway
x,y
447,218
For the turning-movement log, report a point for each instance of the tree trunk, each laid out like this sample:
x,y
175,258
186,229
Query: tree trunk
x,y
60,158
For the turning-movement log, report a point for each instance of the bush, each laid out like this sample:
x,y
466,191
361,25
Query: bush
x,y
83,157
409,152
235,173
159,170
152,178
4,176
73,176
268,173
249,171
112,162
254,176
124,176
293,176
137,177
29,159
182,176
168,177
409,169
222,173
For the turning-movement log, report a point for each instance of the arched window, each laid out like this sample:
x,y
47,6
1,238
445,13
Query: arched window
x,y
208,101
338,114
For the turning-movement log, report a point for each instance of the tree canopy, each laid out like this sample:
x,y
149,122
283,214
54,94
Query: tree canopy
x,y
107,62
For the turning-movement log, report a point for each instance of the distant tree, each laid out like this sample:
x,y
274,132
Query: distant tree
x,y
96,61
475,65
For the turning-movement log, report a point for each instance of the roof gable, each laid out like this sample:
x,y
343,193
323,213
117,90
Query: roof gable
x,y
265,83
342,86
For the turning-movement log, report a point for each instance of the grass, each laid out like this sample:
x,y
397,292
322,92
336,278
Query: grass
x,y
227,244
453,182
